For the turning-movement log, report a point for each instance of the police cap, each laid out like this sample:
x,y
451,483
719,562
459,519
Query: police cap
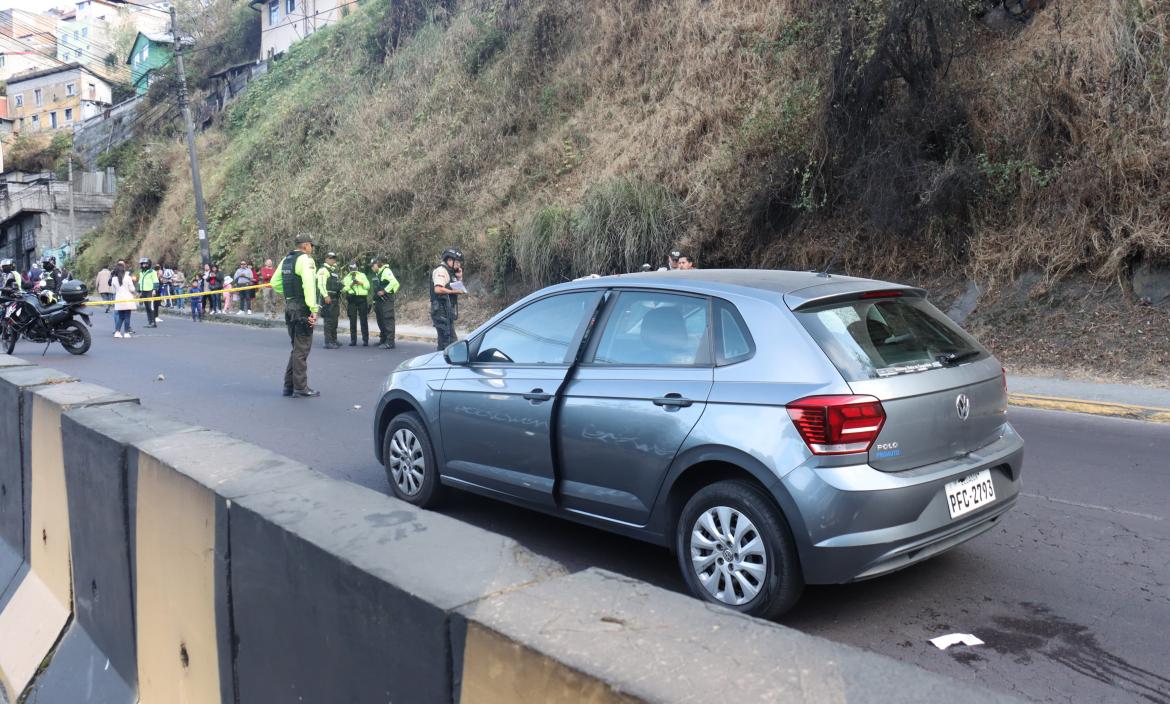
x,y
304,238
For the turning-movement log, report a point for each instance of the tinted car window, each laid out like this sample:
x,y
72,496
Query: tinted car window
x,y
539,333
654,328
870,339
735,343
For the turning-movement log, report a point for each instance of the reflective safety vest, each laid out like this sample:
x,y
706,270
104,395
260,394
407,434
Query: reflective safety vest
x,y
328,283
389,284
10,278
291,284
148,281
356,283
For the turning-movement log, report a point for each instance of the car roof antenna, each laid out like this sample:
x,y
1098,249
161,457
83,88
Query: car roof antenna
x,y
824,273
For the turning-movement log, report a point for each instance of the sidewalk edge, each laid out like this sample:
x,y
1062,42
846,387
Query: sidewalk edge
x,y
1099,408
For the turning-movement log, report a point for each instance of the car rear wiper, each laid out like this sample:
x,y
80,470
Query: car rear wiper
x,y
953,359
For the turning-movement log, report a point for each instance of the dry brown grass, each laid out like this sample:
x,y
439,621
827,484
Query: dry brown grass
x,y
497,112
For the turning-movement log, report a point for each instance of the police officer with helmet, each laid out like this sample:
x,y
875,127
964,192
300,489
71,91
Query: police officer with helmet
x,y
356,286
296,281
51,276
329,289
446,286
149,286
385,286
9,277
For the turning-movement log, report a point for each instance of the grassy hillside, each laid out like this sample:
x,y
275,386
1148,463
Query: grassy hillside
x,y
555,138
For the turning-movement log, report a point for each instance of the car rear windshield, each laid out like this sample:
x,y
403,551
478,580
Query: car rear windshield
x,y
876,338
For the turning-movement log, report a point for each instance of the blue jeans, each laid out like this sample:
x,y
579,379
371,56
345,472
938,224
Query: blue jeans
x,y
107,297
122,321
197,308
179,302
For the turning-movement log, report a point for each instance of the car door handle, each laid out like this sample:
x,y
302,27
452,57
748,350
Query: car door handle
x,y
672,401
537,396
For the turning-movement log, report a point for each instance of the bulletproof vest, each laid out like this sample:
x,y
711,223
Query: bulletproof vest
x,y
294,289
446,299
332,282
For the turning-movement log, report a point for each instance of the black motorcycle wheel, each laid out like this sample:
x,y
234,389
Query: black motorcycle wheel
x,y
74,337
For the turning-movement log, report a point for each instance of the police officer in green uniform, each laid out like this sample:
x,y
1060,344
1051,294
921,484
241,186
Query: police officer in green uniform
x,y
9,278
446,285
329,289
385,286
296,280
149,287
356,287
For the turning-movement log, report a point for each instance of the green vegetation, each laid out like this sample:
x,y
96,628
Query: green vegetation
x,y
556,138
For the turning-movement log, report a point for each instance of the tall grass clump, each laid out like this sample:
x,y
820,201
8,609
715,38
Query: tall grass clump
x,y
541,244
622,224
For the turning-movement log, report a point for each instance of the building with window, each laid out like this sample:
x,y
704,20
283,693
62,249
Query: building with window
x,y
28,42
150,53
55,98
284,22
86,33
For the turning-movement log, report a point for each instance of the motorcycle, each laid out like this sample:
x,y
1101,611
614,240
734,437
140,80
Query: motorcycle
x,y
41,317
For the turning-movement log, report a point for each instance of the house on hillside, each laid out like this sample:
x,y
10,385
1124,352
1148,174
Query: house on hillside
x,y
149,54
55,98
87,31
228,84
27,42
285,22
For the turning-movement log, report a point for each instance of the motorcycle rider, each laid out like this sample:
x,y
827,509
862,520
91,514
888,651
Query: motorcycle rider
x,y
9,278
51,276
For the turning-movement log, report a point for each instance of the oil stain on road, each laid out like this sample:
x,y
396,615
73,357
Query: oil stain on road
x,y
1041,633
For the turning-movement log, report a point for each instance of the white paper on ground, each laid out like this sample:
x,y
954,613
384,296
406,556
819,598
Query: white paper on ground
x,y
944,642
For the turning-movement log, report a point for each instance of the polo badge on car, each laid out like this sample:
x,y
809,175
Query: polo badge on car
x,y
963,406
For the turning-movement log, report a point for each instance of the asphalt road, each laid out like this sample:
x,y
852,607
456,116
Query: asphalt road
x,y
1071,593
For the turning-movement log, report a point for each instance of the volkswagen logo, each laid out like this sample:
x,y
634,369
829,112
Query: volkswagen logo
x,y
963,406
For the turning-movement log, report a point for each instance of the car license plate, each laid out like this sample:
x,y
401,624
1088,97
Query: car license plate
x,y
969,493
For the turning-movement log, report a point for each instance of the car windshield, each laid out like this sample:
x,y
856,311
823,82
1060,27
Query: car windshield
x,y
876,338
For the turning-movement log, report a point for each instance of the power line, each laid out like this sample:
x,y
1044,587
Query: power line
x,y
92,57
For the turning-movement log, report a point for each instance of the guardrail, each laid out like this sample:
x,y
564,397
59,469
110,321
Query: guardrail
x,y
145,559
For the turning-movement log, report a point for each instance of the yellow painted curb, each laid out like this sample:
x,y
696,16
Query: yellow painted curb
x,y
1099,408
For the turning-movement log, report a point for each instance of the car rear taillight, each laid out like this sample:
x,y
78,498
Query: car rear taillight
x,y
838,425
881,294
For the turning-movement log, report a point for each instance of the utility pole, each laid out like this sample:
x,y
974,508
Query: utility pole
x,y
200,215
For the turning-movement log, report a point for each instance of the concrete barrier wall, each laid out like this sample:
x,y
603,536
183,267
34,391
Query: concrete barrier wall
x,y
152,561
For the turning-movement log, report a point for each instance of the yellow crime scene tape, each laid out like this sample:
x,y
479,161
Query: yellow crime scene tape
x,y
180,295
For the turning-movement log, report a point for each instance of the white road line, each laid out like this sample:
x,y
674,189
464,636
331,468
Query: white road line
x,y
1095,507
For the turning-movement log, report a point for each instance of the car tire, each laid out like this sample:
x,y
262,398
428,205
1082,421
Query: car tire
x,y
409,460
723,570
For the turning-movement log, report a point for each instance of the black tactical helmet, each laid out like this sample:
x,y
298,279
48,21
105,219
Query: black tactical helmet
x,y
48,263
451,253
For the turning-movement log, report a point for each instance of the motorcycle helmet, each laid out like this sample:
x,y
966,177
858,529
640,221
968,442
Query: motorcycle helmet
x,y
49,263
451,253
353,266
144,263
47,297
6,265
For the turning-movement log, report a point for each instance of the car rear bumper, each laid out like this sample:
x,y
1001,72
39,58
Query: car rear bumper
x,y
862,523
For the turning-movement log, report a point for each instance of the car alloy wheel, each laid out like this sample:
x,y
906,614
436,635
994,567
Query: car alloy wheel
x,y
408,465
728,555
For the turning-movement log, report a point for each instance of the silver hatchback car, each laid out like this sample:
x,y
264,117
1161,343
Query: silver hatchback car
x,y
772,428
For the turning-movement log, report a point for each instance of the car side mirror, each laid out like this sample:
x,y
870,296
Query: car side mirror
x,y
459,353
